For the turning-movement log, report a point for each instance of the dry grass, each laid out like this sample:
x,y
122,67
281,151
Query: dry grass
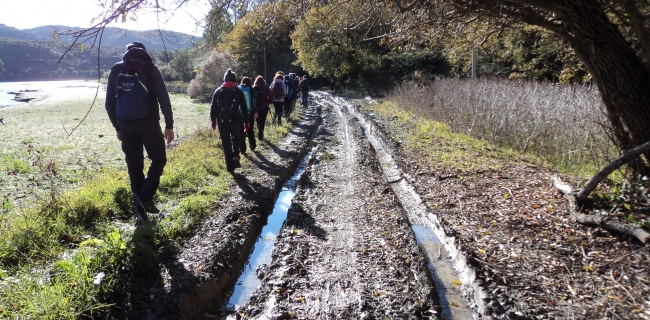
x,y
560,124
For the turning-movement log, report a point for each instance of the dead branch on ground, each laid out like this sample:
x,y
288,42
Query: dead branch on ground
x,y
598,220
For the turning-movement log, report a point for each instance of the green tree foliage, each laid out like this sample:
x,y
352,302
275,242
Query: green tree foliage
x,y
210,75
344,42
330,47
181,66
528,52
218,23
268,27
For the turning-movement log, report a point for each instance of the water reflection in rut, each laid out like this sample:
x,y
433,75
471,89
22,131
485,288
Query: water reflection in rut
x,y
248,281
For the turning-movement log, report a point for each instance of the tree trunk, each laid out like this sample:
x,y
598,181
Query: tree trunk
x,y
621,77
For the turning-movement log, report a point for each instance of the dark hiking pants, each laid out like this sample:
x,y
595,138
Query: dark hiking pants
x,y
137,136
261,121
305,97
250,133
230,133
277,115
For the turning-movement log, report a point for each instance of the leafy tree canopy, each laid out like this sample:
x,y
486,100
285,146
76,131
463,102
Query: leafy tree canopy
x,y
263,32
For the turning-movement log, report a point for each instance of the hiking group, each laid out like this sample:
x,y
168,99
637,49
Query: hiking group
x,y
235,109
136,94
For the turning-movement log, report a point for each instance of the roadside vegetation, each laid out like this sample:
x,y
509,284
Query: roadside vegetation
x,y
69,253
479,125
563,126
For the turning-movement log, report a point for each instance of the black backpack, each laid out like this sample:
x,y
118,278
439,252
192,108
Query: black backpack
x,y
227,108
258,95
132,90
290,88
304,84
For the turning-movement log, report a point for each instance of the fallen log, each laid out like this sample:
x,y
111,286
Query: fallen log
x,y
597,220
602,174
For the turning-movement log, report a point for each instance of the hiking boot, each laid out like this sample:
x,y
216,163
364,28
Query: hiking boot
x,y
140,212
235,161
148,206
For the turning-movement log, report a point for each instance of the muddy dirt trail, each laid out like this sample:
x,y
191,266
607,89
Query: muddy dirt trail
x,y
347,249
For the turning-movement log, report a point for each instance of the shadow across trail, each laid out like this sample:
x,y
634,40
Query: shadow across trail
x,y
141,290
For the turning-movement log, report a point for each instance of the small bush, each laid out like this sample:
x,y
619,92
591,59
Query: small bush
x,y
210,75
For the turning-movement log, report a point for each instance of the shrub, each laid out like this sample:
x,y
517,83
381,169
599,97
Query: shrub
x,y
210,75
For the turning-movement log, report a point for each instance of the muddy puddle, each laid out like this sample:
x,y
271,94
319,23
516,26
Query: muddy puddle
x,y
248,281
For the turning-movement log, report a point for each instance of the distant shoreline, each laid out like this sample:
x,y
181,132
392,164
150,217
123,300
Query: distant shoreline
x,y
30,92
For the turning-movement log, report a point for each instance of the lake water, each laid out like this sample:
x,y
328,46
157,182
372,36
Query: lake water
x,y
44,88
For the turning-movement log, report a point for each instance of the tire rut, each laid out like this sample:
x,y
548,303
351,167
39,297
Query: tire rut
x,y
346,249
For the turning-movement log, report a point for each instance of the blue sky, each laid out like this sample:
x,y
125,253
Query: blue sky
x,y
24,14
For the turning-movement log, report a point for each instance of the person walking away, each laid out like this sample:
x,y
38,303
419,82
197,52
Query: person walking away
x,y
304,88
135,94
296,89
289,96
279,90
226,108
249,115
262,98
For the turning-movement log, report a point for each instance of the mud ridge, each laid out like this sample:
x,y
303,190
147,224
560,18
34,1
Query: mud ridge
x,y
199,277
419,214
346,250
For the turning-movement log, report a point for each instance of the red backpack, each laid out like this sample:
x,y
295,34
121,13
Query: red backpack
x,y
278,91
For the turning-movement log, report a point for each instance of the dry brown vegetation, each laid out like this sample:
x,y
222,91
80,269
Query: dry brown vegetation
x,y
561,124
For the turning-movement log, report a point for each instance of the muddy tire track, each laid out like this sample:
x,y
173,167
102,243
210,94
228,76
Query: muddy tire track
x,y
346,249
197,277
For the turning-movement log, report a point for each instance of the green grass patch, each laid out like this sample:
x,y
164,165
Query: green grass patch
x,y
60,257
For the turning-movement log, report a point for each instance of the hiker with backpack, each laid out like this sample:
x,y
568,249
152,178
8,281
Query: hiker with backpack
x,y
249,115
304,89
226,108
289,97
279,90
135,93
262,98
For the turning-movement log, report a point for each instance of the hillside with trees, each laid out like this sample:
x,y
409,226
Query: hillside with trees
x,y
39,60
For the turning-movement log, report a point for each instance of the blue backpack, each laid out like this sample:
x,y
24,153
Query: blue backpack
x,y
131,90
248,96
290,87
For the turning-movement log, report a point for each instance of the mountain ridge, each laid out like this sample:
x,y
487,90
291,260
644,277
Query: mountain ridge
x,y
118,37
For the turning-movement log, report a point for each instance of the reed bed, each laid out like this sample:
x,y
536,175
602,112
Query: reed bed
x,y
563,125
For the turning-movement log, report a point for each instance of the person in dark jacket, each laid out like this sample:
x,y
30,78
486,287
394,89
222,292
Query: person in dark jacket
x,y
249,115
229,129
144,133
304,91
279,90
263,98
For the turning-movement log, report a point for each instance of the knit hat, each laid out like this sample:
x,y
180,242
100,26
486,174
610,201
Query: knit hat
x,y
135,44
229,76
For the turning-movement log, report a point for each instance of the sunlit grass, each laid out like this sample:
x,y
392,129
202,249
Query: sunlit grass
x,y
54,249
441,146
